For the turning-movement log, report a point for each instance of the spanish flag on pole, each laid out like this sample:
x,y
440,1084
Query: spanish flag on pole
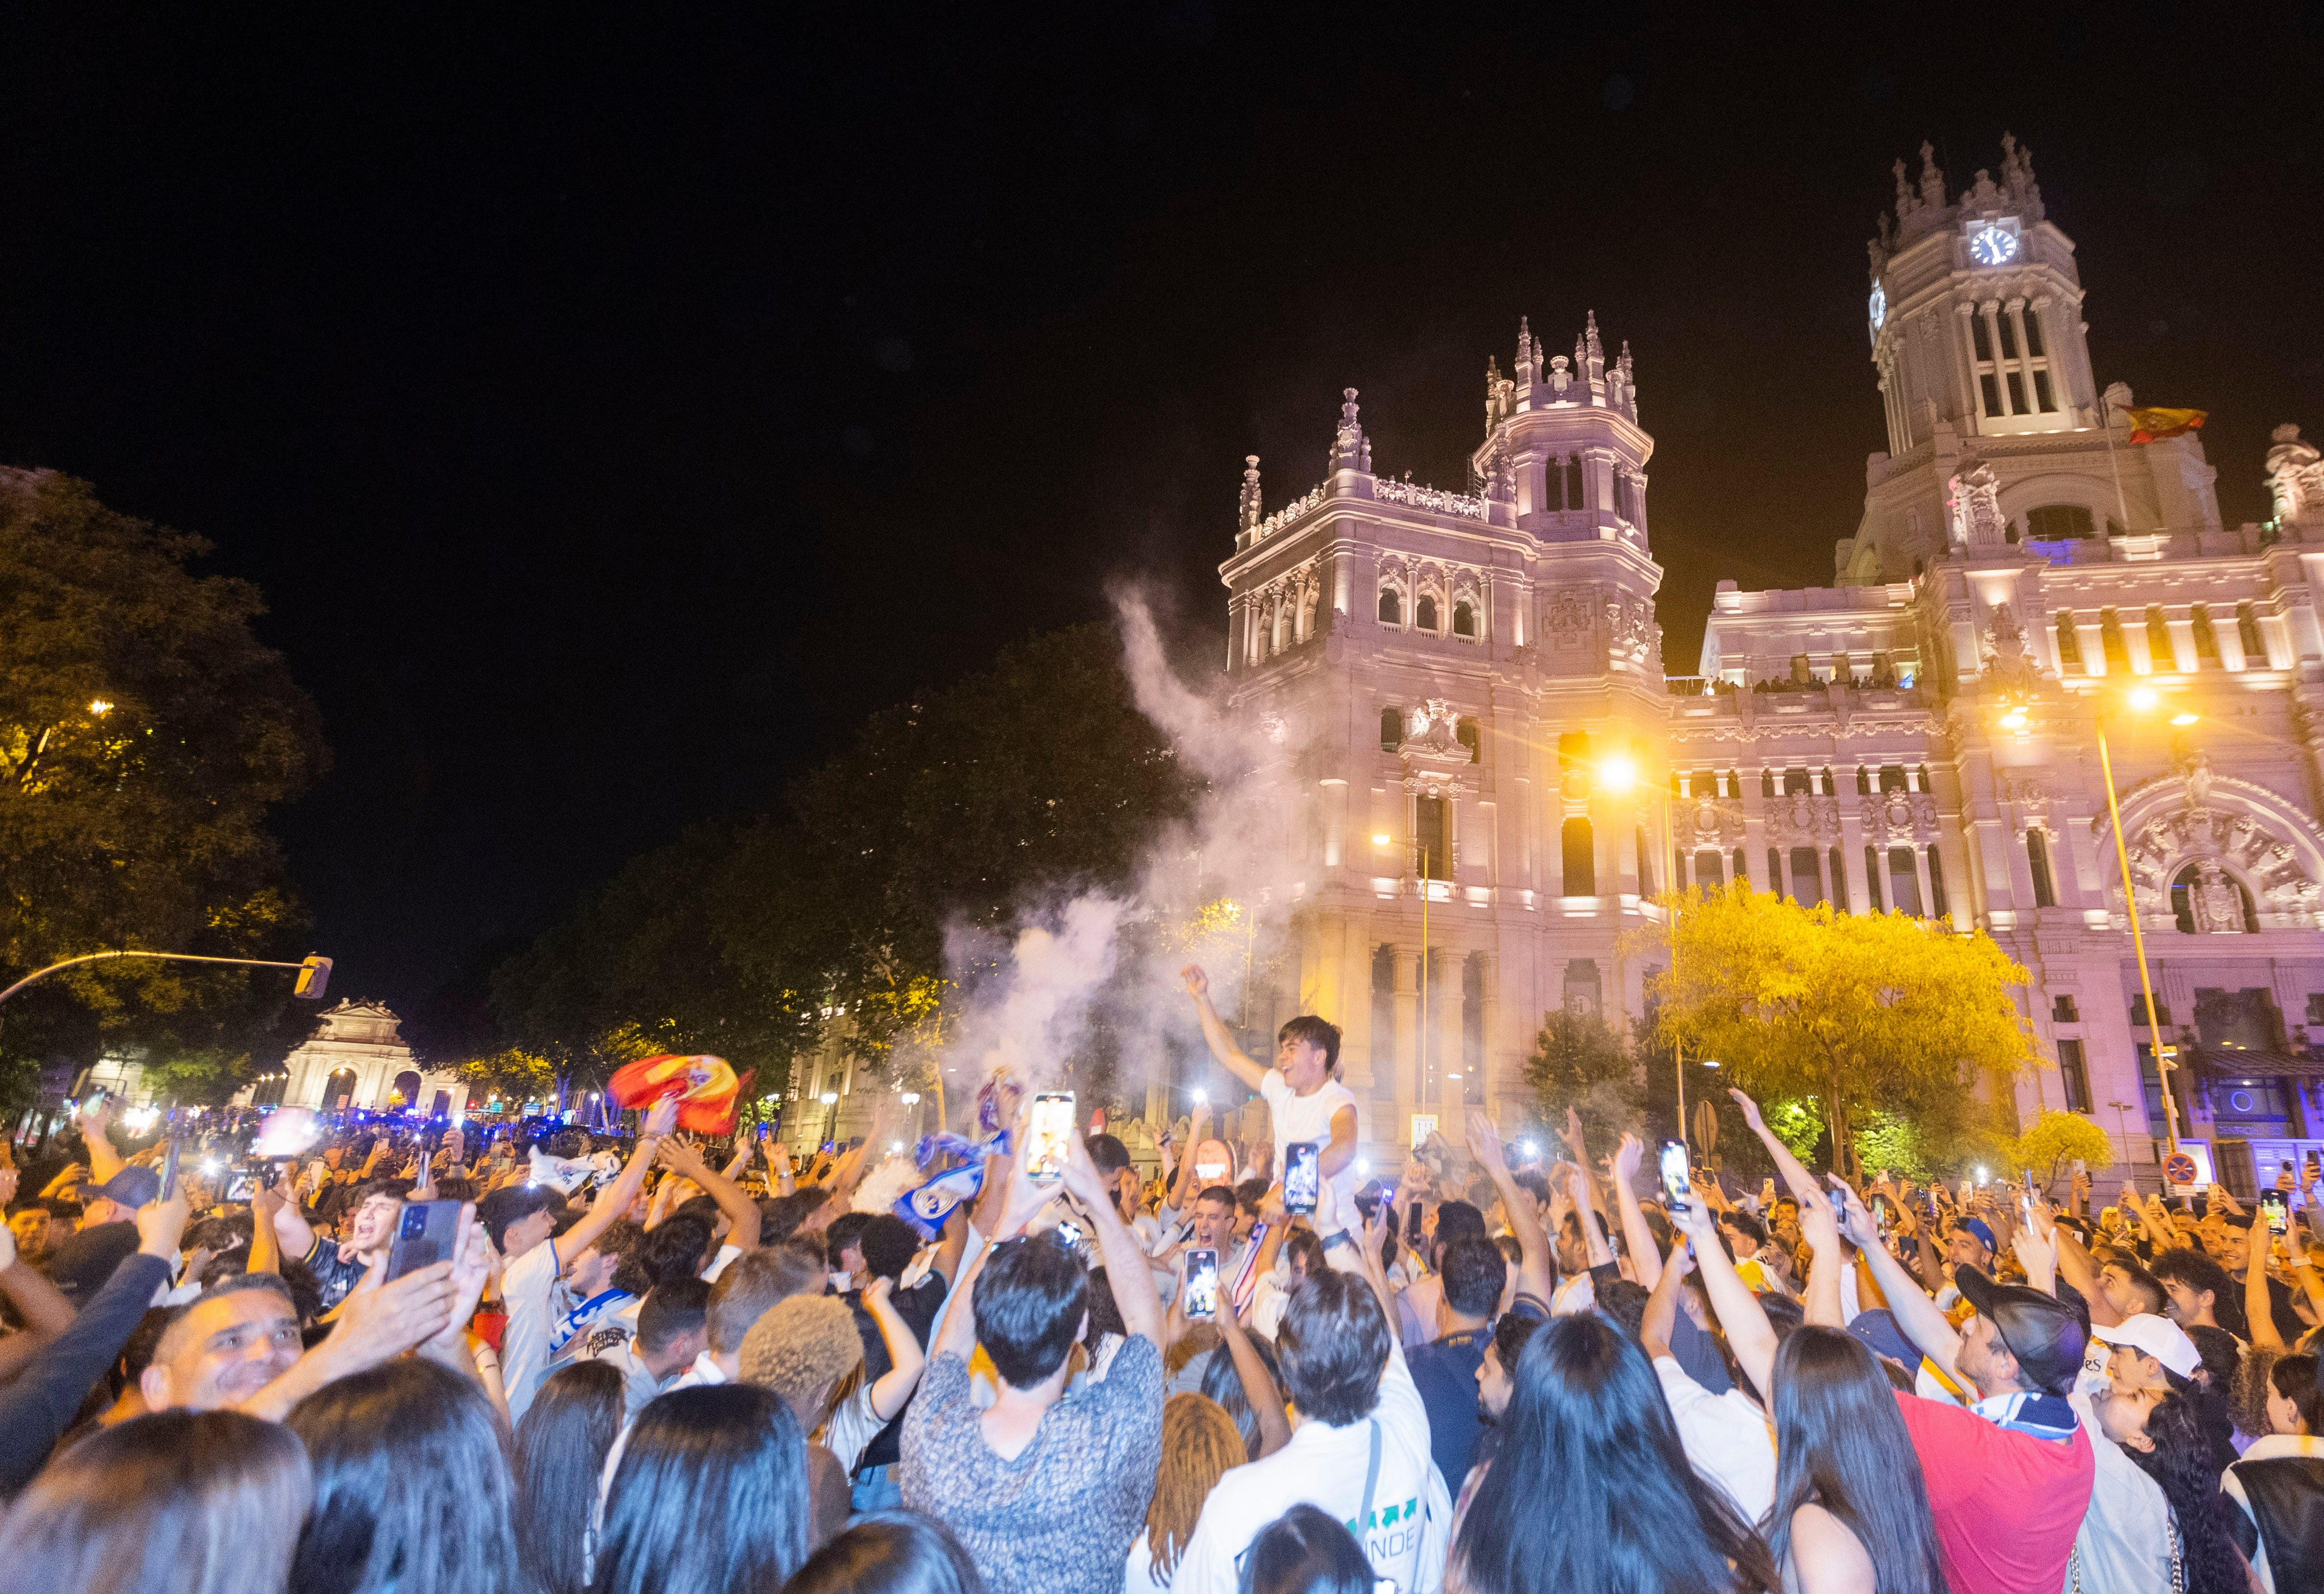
x,y
2150,426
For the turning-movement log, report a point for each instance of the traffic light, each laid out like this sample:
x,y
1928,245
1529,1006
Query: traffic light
x,y
314,978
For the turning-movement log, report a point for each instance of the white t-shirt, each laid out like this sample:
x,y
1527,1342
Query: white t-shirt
x,y
1411,1521
726,1254
2124,1541
1309,1117
704,1370
535,1295
853,1425
1725,1437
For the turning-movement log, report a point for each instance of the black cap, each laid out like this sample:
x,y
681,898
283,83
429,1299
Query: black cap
x,y
2045,1336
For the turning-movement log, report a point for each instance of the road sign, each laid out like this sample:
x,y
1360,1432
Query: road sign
x,y
2180,1169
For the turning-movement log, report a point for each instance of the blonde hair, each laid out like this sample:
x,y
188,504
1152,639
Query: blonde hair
x,y
802,1348
1198,1443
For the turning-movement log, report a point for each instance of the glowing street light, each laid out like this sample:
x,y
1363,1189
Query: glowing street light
x,y
100,707
2143,699
1381,838
1617,772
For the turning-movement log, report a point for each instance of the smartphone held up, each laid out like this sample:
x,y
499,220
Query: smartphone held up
x,y
1048,1137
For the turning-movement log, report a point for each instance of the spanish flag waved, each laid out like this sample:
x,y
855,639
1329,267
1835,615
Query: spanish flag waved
x,y
2148,426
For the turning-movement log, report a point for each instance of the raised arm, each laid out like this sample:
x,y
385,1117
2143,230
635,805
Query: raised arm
x,y
896,1385
1017,1201
265,1236
1186,1187
741,1212
1125,1263
1662,1305
1915,1313
1796,1178
2074,1264
104,1161
290,1225
624,1190
2258,1245
1748,1333
1535,1270
1341,1150
1819,1225
1215,1033
1258,1390
1637,1240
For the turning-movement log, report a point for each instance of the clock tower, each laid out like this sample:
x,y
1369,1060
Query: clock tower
x,y
1976,310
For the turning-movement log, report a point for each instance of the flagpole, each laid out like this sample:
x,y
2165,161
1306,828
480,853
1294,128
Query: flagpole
x,y
2120,503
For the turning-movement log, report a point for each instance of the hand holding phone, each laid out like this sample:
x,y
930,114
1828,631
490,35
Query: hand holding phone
x,y
1303,1177
1049,1137
1201,1288
1678,1184
426,1232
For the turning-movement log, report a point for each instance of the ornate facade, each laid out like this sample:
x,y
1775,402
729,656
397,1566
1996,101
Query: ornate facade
x,y
357,1057
1924,735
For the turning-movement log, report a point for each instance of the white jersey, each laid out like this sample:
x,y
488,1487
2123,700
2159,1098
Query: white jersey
x,y
1309,1117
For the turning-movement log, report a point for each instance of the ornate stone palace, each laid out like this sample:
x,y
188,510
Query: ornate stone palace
x,y
1921,736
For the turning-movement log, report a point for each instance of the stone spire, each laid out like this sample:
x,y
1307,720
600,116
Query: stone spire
x,y
2017,178
1250,504
1350,449
1627,374
1907,201
1932,178
1595,369
1527,361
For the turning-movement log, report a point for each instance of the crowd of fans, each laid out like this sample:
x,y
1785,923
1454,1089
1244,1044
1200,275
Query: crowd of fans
x,y
638,1369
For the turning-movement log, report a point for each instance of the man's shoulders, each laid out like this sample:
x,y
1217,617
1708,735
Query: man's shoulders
x,y
1273,1086
534,1271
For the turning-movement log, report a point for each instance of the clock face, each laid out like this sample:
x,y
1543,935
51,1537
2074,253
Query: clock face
x,y
1992,245
1879,307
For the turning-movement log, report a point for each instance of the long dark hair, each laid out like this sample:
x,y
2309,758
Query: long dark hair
x,y
560,1451
177,1502
1588,1440
890,1552
710,1497
1841,1443
412,1491
2183,1463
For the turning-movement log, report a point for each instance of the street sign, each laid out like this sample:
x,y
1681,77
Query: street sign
x,y
2180,1170
1423,1124
1706,1129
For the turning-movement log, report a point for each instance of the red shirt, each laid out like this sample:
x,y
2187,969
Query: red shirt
x,y
2007,1505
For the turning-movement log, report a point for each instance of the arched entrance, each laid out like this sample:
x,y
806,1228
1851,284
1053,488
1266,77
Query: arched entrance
x,y
405,1093
443,1107
339,1088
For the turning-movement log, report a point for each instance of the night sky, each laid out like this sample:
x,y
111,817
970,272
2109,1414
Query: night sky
x,y
615,411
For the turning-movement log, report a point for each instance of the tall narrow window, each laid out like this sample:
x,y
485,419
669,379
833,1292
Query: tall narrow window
x,y
1903,881
1473,1030
2118,654
1710,871
1839,880
2207,642
1572,758
1938,906
2247,630
1645,865
1392,729
1581,858
2070,641
1432,842
1742,875
1864,780
1775,873
2075,1075
1872,878
1678,871
1391,607
2037,860
1766,783
1807,880
1464,620
1423,614
2158,639
1466,733
1575,493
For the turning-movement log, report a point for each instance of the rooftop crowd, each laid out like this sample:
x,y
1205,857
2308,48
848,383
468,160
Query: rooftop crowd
x,y
645,1366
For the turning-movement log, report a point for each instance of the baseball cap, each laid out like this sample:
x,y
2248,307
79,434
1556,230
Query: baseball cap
x,y
1877,1328
1982,1229
2037,1329
2158,1337
132,1187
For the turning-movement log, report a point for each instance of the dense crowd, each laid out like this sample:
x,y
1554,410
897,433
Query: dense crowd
x,y
639,1364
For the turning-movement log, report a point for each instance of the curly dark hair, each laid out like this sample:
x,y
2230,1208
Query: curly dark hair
x,y
2182,1463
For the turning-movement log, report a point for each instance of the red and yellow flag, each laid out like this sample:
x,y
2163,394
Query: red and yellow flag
x,y
2148,426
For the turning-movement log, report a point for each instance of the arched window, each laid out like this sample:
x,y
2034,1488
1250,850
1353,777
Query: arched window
x,y
2206,899
1580,858
1391,607
2037,860
1423,614
1464,621
1392,729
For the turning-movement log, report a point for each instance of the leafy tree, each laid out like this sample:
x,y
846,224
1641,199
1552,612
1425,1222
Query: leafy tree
x,y
2056,1138
512,1076
144,734
1864,1013
1580,1061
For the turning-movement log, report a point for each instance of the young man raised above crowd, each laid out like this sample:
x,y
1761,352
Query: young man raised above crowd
x,y
1306,1103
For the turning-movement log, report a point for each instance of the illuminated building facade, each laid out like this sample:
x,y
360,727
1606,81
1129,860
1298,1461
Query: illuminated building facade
x,y
1463,678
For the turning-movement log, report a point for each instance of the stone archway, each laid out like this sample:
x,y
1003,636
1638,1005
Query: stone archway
x,y
339,1089
404,1093
2236,834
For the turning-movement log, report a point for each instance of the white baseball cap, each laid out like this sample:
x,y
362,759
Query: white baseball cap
x,y
2158,1337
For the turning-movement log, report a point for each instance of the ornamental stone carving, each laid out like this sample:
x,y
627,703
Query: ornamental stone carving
x,y
2028,792
1388,490
2216,903
1803,817
2295,476
1568,618
1629,628
1706,823
1900,818
2233,843
2003,648
1435,759
1973,506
